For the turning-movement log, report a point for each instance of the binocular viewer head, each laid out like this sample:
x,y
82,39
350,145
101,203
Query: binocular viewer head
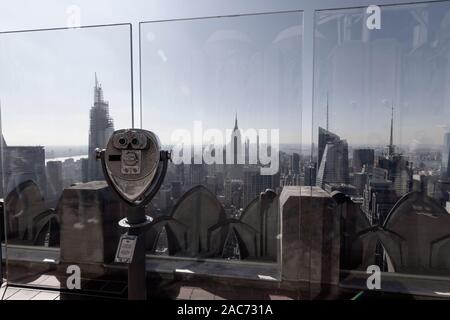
x,y
134,165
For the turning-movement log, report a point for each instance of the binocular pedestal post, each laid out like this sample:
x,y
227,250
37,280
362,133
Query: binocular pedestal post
x,y
134,167
136,225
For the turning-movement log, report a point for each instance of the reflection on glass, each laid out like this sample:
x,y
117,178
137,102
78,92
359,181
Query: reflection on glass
x,y
224,94
381,131
54,114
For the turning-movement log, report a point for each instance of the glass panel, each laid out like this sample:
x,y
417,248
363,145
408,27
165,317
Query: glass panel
x,y
224,95
381,136
62,93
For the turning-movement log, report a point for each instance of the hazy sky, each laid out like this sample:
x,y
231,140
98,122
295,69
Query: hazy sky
x,y
209,69
47,80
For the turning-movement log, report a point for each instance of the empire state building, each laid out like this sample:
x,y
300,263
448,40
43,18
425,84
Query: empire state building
x,y
236,158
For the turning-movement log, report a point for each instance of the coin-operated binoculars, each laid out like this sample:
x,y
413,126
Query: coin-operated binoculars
x,y
134,167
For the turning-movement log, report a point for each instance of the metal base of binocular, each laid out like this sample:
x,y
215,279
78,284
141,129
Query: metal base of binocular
x,y
134,167
136,224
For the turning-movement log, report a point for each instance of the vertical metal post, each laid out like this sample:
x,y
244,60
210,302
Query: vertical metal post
x,y
137,280
2,232
136,223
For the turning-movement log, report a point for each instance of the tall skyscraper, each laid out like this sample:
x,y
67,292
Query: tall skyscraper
x,y
378,199
100,130
310,174
325,137
237,157
445,169
247,150
399,170
391,147
295,163
334,164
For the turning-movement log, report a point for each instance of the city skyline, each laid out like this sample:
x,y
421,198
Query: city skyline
x,y
239,64
373,187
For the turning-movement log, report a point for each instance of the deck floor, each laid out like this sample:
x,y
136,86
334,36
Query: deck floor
x,y
181,292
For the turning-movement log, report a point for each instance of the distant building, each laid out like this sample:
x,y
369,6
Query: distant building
x,y
378,200
334,165
250,191
399,171
360,179
233,193
428,184
247,151
325,137
363,157
211,184
72,171
295,163
378,174
196,174
291,179
220,179
180,172
310,174
368,173
84,170
54,179
237,157
100,130
255,183
445,168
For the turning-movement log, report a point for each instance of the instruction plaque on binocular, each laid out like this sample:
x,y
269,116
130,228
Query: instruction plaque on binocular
x,y
125,250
